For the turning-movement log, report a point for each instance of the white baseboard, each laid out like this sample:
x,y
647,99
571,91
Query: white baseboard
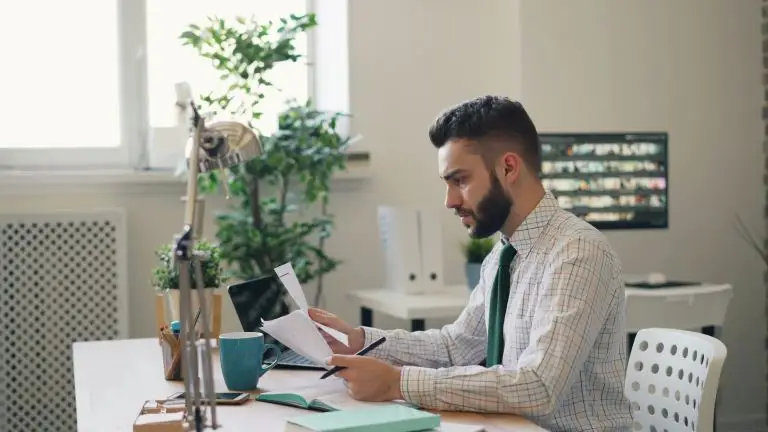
x,y
753,423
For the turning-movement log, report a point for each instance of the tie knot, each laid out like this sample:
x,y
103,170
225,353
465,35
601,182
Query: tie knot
x,y
508,253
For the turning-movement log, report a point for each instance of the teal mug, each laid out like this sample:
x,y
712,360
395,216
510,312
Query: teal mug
x,y
242,357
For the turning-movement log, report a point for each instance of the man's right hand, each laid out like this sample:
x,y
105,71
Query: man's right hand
x,y
355,336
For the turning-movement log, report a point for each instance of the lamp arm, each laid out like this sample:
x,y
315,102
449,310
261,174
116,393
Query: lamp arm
x,y
192,172
225,144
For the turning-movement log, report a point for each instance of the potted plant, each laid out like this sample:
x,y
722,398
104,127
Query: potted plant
x,y
166,282
475,251
279,210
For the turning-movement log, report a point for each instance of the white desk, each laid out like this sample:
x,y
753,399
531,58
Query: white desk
x,y
114,378
411,307
696,307
691,307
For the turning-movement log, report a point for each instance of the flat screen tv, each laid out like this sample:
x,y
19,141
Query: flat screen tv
x,y
611,180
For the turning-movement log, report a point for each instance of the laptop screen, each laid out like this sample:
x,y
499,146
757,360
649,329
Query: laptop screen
x,y
264,297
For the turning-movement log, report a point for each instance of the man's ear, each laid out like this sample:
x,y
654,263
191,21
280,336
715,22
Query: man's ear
x,y
511,165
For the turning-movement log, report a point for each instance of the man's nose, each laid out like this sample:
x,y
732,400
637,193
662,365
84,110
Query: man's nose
x,y
452,199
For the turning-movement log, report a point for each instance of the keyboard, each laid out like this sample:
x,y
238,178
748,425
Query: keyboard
x,y
291,359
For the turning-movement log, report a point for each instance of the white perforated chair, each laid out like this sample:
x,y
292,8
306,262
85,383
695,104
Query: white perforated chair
x,y
672,379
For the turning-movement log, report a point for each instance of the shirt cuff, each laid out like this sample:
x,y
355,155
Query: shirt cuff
x,y
418,386
371,334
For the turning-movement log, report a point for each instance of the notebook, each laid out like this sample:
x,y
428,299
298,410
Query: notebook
x,y
385,418
323,395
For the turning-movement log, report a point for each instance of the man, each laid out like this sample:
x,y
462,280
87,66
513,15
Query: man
x,y
543,333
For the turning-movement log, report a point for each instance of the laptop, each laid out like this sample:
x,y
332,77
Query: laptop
x,y
250,298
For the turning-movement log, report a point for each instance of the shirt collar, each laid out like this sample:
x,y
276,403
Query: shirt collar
x,y
526,234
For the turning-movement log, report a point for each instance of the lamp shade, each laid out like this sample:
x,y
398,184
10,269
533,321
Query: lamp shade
x,y
225,144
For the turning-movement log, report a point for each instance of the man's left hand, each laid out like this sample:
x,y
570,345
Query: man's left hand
x,y
368,378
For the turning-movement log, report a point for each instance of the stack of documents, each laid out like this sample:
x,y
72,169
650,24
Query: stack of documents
x,y
297,330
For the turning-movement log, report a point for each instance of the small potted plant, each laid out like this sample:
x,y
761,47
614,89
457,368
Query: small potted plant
x,y
166,283
475,251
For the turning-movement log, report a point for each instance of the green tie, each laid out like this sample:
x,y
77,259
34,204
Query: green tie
x,y
498,307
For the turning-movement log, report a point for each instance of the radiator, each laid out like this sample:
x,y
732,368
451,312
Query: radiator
x,y
63,278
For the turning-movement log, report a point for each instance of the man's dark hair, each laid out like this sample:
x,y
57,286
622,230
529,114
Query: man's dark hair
x,y
491,121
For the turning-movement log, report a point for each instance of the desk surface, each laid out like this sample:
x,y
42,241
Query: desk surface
x,y
114,378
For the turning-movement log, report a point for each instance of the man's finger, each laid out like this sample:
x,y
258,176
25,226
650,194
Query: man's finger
x,y
344,374
343,360
323,317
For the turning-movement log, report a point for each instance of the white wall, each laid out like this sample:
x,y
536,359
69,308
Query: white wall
x,y
691,67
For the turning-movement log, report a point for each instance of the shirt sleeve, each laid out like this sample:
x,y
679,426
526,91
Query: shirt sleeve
x,y
459,343
577,292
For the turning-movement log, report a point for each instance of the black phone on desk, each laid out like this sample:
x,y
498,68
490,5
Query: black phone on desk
x,y
264,297
224,398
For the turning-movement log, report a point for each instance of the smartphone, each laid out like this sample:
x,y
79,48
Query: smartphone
x,y
226,398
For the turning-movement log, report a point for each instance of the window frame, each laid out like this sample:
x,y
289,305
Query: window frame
x,y
135,124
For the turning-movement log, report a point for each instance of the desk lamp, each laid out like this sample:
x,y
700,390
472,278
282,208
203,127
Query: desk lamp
x,y
216,146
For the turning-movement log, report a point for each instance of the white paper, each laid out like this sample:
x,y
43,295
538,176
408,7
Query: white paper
x,y
299,333
291,282
339,336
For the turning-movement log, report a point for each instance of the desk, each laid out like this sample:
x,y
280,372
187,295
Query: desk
x,y
114,378
411,307
691,307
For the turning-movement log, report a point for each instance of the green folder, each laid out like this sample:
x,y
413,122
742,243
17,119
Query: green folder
x,y
385,418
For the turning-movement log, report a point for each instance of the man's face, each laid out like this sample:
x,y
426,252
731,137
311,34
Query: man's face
x,y
473,191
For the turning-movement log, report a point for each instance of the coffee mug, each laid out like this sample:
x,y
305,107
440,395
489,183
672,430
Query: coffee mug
x,y
242,359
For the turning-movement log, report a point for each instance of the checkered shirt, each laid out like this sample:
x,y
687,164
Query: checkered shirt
x,y
565,354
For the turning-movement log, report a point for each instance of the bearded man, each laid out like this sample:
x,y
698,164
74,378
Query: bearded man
x,y
542,335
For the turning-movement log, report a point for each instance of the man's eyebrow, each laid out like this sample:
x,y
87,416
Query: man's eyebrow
x,y
451,174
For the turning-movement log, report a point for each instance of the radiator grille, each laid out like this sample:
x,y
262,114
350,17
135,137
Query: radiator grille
x,y
62,280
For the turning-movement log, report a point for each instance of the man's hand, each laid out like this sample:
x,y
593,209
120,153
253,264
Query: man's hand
x,y
355,336
368,378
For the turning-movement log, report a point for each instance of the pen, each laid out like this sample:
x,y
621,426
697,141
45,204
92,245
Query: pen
x,y
362,352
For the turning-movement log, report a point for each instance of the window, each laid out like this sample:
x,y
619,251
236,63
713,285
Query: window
x,y
169,62
88,90
60,85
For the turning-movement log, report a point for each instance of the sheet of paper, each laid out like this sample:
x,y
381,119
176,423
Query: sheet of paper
x,y
298,332
339,336
291,283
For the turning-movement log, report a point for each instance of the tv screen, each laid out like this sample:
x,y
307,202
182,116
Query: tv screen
x,y
611,180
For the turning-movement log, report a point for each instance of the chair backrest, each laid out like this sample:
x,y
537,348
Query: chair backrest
x,y
672,379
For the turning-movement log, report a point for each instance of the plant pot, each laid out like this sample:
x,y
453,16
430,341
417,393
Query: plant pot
x,y
472,272
168,305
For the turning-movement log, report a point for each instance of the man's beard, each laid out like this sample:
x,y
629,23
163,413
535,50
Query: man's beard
x,y
492,211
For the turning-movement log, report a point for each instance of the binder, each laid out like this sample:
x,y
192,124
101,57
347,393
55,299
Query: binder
x,y
431,249
399,234
411,239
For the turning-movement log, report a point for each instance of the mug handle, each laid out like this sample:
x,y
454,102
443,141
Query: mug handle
x,y
267,349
